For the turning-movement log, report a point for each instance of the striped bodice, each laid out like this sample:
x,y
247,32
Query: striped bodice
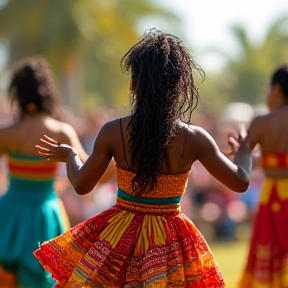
x,y
165,197
30,175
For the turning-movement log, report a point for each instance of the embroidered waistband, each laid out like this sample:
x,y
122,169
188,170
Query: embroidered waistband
x,y
148,208
147,200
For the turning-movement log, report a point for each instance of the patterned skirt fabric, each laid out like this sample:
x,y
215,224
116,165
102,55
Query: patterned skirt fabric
x,y
132,245
267,265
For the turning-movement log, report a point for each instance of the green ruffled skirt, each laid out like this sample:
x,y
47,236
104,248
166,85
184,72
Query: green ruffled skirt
x,y
30,213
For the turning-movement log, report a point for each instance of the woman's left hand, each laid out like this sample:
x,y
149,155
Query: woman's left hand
x,y
53,150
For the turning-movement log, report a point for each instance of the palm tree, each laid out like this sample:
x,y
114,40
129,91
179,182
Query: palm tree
x,y
83,40
245,78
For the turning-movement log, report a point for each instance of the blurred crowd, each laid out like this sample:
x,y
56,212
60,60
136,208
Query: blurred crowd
x,y
220,215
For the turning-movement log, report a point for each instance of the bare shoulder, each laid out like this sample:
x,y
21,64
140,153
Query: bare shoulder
x,y
261,119
7,131
113,126
69,135
8,134
260,122
60,127
60,131
199,141
66,128
197,134
110,128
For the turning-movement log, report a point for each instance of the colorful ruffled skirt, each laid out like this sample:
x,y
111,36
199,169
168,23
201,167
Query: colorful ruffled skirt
x,y
132,245
267,264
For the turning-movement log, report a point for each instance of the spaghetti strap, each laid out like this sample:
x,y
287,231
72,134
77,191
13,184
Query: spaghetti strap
x,y
123,144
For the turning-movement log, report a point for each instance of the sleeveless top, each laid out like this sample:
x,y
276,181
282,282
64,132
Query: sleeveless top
x,y
164,198
31,177
30,213
142,241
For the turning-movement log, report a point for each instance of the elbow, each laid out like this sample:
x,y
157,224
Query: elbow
x,y
242,187
83,186
242,184
81,189
243,180
80,185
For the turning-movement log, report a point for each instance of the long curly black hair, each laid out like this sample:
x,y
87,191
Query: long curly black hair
x,y
32,83
161,67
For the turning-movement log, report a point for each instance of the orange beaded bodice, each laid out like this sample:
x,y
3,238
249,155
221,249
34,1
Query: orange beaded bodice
x,y
165,197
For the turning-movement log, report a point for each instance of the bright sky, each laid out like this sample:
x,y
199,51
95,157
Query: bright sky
x,y
207,23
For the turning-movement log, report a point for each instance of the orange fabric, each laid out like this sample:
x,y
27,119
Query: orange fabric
x,y
167,185
7,279
134,245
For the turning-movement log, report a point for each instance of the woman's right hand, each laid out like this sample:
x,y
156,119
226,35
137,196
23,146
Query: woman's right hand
x,y
53,150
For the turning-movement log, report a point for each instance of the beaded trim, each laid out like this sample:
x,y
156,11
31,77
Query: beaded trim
x,y
148,208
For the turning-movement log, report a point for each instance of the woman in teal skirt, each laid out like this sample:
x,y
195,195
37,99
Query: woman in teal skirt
x,y
30,211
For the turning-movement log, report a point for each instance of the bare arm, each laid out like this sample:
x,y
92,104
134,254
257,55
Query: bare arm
x,y
235,176
254,132
83,177
70,137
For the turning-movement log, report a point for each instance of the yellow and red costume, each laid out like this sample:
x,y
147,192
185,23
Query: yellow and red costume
x,y
142,241
267,265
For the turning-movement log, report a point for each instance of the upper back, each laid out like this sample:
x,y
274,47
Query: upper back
x,y
271,131
22,137
178,155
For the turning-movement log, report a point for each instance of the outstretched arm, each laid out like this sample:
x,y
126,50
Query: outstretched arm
x,y
83,177
70,137
235,176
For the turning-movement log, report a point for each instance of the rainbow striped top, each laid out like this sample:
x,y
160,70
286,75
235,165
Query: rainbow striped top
x,y
29,175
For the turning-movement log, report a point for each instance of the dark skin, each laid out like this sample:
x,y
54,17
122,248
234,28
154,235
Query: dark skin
x,y
199,145
22,136
270,131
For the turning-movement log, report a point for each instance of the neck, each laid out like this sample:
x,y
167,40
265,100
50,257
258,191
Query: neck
x,y
280,105
282,102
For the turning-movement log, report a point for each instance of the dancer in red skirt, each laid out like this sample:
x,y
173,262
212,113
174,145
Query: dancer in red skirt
x,y
145,240
267,264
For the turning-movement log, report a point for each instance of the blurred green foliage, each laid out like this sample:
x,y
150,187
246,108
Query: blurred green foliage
x,y
247,73
84,41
